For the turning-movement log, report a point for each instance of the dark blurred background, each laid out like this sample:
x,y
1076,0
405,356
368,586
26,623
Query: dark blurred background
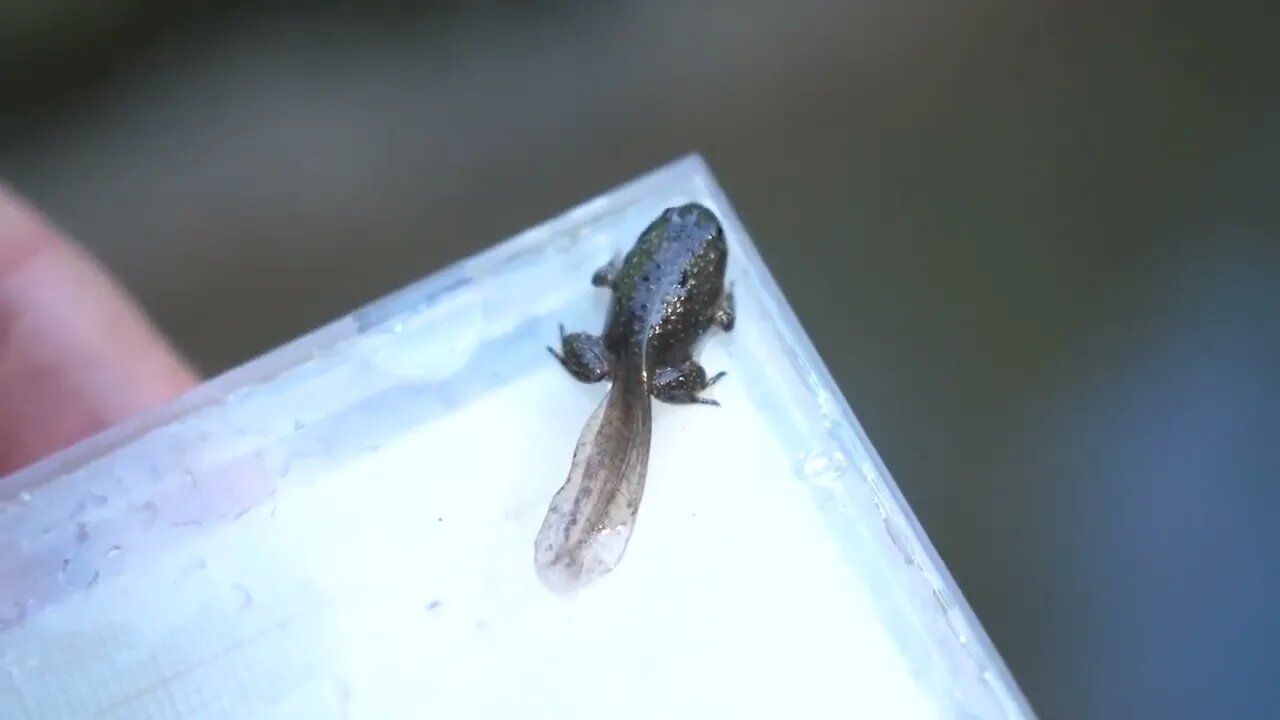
x,y
1037,243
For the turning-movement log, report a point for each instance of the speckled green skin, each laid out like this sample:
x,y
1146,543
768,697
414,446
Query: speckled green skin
x,y
667,292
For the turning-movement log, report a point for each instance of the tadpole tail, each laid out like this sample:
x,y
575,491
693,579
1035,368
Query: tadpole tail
x,y
589,522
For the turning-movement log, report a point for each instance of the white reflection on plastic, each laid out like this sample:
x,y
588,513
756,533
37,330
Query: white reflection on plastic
x,y
342,527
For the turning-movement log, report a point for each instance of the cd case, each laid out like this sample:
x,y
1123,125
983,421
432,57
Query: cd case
x,y
343,528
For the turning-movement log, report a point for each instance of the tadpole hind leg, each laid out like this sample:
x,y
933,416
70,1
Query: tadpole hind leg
x,y
607,273
681,385
583,355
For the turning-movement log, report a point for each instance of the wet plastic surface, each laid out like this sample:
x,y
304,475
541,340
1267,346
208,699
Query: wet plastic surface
x,y
344,527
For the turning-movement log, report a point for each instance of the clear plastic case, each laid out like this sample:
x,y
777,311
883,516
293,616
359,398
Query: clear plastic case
x,y
344,527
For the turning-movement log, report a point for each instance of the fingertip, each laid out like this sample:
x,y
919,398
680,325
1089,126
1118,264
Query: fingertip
x,y
77,354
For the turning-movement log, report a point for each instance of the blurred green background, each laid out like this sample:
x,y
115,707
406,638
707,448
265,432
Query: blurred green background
x,y
1037,243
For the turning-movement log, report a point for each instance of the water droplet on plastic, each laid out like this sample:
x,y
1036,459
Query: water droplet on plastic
x,y
77,575
823,466
97,500
956,622
243,595
82,533
25,496
113,551
829,407
12,615
149,513
899,541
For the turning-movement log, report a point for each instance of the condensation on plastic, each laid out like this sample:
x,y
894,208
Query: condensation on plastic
x,y
343,527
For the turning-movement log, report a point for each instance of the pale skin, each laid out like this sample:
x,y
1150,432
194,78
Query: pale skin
x,y
77,353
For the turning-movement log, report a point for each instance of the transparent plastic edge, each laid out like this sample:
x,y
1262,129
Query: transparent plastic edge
x,y
452,277
890,497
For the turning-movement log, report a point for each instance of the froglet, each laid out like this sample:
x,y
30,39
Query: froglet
x,y
667,292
